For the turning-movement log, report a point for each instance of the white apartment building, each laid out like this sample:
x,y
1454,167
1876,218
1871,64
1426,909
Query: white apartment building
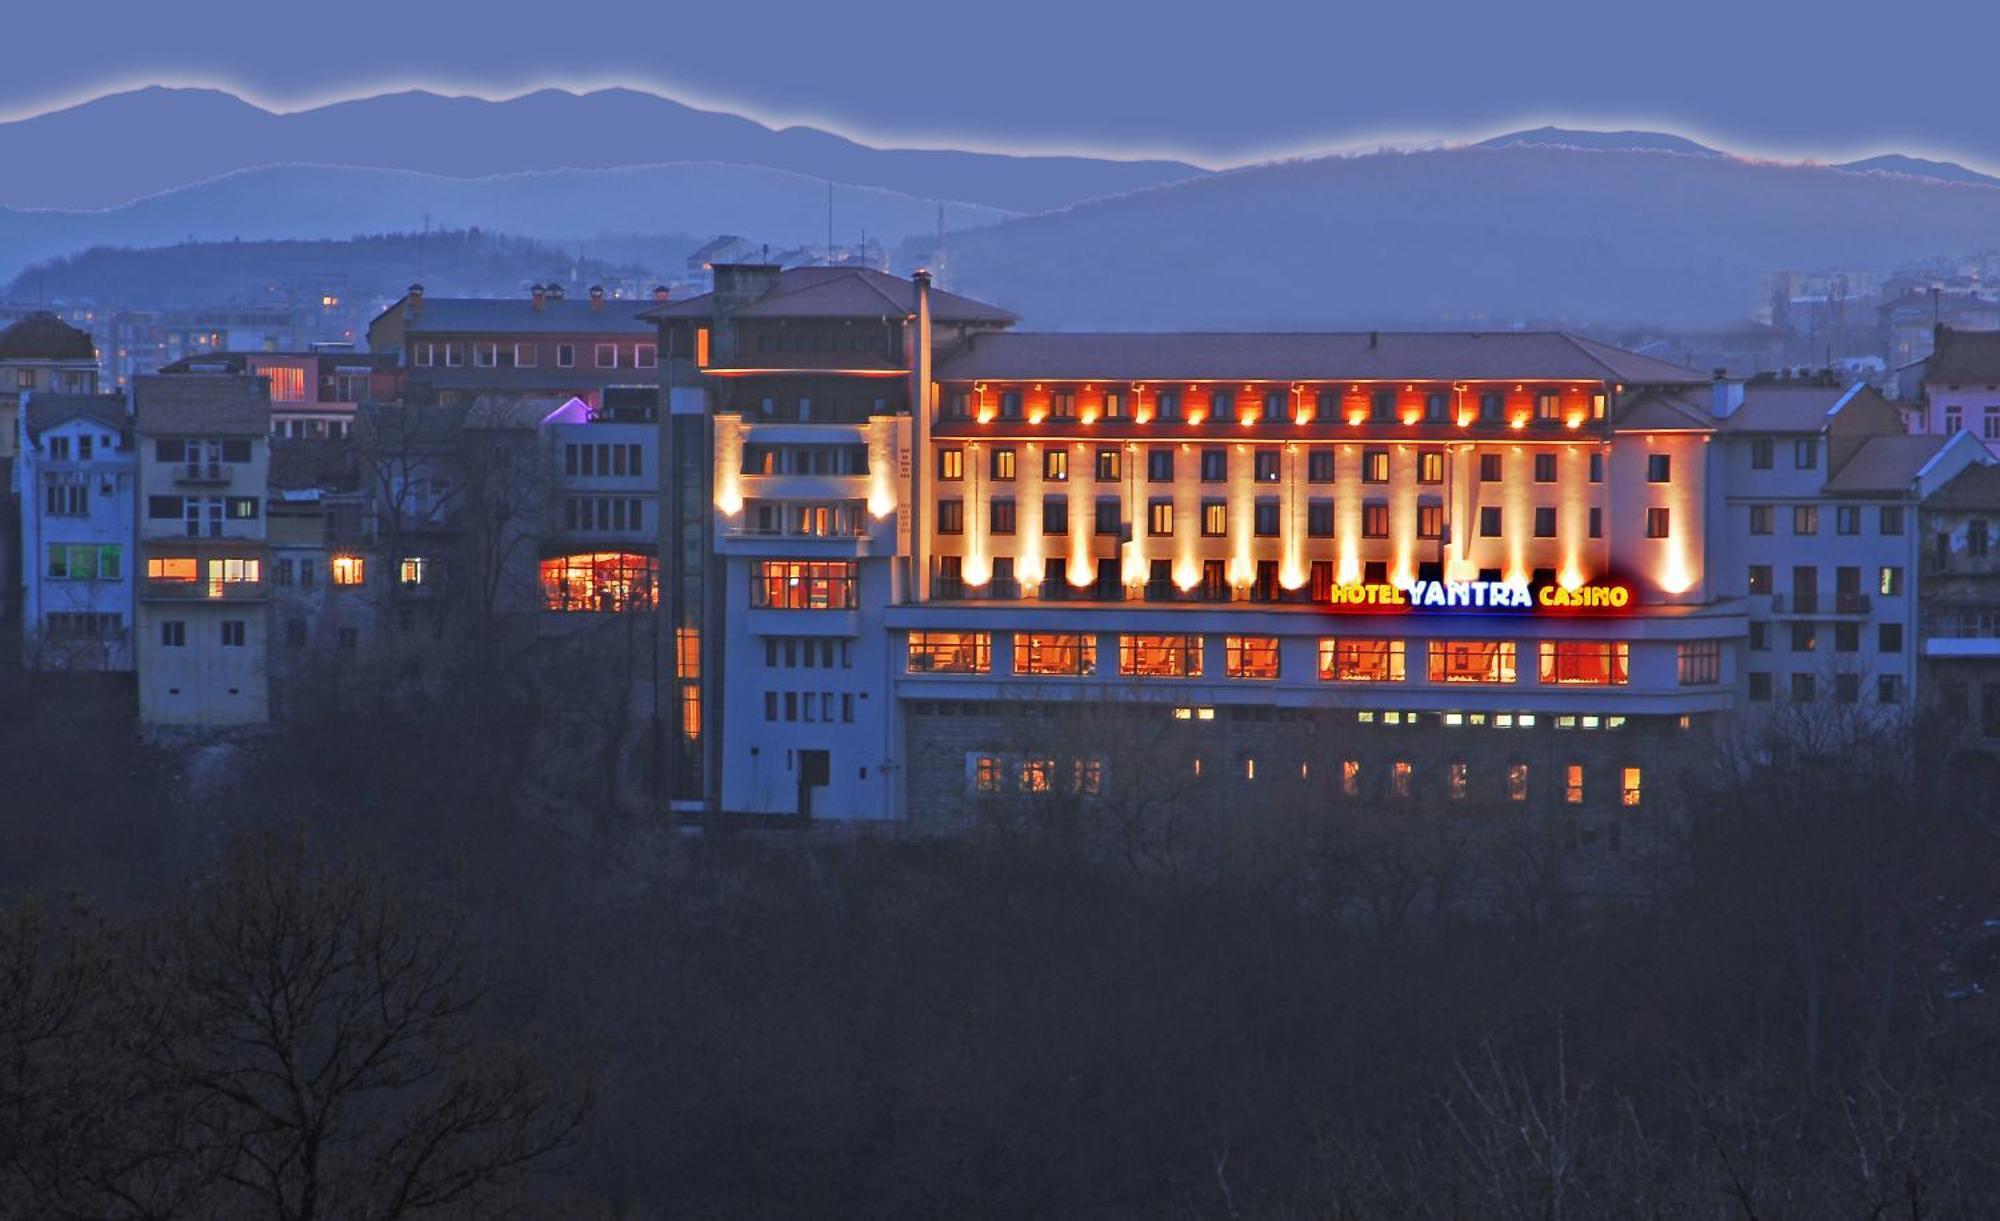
x,y
77,473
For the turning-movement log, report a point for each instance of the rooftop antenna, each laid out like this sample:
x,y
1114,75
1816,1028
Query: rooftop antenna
x,y
940,259
421,239
829,222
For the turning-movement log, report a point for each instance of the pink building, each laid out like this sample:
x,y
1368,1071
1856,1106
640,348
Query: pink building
x,y
1960,386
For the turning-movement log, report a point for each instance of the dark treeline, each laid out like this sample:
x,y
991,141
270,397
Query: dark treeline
x,y
1283,1018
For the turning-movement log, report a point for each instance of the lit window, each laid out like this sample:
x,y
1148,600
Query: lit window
x,y
350,570
1573,784
1517,782
416,570
1053,654
1251,656
1628,790
1350,777
1361,661
986,774
1165,656
804,585
951,652
1472,661
1597,663
1400,775
1456,779
598,581
1037,775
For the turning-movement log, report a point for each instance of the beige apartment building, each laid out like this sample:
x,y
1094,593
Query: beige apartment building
x,y
204,463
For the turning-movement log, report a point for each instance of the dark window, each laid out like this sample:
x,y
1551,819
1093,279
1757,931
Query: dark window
x,y
1659,468
1002,514
1545,521
1319,519
1545,468
1214,465
1489,522
1319,466
951,516
1160,465
1489,468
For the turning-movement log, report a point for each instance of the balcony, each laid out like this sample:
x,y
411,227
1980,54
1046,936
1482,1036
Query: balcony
x,y
186,473
1814,606
203,591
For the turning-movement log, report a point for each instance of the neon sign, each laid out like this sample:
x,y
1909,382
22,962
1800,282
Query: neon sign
x,y
1548,597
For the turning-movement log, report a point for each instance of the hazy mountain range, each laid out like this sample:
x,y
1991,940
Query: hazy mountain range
x,y
124,146
1548,224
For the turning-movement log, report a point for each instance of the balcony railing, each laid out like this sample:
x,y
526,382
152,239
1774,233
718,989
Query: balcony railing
x,y
203,472
227,591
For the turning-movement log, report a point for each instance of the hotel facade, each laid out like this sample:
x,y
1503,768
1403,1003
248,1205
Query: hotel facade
x,y
915,562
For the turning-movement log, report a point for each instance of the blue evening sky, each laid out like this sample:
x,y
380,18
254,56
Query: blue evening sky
x,y
1216,82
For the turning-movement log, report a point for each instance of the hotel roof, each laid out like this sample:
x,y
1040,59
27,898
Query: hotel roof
x,y
840,292
1541,356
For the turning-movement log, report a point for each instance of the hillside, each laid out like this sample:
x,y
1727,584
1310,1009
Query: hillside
x,y
140,145
1465,236
373,268
309,201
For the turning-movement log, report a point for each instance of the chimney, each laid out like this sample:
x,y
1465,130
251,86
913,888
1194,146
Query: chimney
x,y
416,299
1726,395
555,290
597,298
1374,340
660,292
541,297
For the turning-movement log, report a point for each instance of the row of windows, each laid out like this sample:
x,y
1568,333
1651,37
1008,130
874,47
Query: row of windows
x,y
808,652
1846,585
1267,465
1211,585
232,632
346,638
805,460
86,445
1806,636
1595,663
1326,405
1266,518
809,706
84,562
582,513
425,353
1763,453
804,585
83,625
203,515
1846,519
66,498
989,774
1806,687
597,460
208,454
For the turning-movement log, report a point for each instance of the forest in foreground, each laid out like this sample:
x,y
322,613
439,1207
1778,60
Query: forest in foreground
x,y
366,966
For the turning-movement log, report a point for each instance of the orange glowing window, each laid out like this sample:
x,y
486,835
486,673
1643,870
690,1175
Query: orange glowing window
x,y
599,581
1472,661
1053,654
687,652
288,385
1251,656
1590,663
1172,656
175,568
701,347
1361,661
350,570
951,652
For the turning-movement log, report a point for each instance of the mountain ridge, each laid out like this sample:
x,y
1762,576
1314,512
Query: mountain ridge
x,y
140,146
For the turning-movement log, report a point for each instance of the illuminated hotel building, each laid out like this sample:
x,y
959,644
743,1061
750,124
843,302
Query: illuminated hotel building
x,y
1505,568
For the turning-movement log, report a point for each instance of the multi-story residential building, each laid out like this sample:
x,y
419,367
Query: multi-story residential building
x,y
1959,387
1821,491
453,350
78,478
323,614
915,561
1959,632
313,394
39,353
204,463
1910,322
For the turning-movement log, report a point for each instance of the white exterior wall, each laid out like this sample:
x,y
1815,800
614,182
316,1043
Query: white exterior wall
x,y
108,479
